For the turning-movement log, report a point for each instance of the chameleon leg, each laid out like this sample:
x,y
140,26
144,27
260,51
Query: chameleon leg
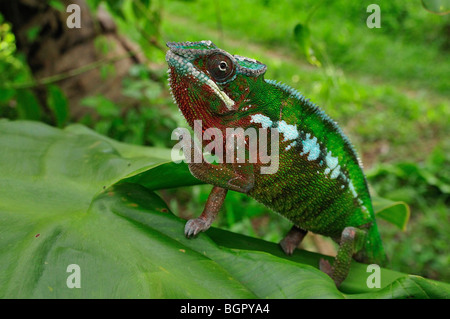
x,y
222,175
234,176
292,239
212,207
350,243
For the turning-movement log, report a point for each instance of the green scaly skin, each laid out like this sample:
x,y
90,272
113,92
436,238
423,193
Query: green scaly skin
x,y
319,185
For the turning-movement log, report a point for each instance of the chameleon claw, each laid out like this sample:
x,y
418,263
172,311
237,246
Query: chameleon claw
x,y
195,226
292,239
287,246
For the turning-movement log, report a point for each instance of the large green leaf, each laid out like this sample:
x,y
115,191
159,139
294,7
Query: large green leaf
x,y
75,197
437,6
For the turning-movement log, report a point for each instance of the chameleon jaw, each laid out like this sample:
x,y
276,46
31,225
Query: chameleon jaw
x,y
184,67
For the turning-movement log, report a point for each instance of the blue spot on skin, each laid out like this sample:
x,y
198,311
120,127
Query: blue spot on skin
x,y
290,145
290,132
331,161
352,189
311,146
335,172
265,121
314,154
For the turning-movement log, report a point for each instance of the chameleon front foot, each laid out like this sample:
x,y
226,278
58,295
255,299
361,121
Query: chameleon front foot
x,y
212,207
195,226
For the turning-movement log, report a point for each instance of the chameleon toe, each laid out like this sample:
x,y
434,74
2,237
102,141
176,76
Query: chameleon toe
x,y
194,226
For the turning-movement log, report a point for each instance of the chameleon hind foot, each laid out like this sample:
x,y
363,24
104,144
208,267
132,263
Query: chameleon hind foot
x,y
350,243
292,239
325,266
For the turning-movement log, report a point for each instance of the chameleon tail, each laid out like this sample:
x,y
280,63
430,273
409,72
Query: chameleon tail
x,y
373,251
368,244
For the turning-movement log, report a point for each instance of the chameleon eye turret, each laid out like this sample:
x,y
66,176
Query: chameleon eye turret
x,y
319,185
220,67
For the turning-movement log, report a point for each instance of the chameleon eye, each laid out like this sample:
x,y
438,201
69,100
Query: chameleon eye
x,y
223,66
220,67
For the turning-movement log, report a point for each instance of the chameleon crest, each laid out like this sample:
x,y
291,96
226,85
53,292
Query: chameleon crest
x,y
319,186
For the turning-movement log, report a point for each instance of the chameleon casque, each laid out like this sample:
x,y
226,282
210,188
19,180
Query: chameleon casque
x,y
319,185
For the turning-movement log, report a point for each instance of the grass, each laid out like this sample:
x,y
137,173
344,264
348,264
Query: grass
x,y
376,115
408,34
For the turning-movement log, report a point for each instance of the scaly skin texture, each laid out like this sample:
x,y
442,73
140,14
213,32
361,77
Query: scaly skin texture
x,y
319,185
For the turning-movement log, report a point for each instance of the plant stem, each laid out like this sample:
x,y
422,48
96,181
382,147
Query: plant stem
x,y
313,11
66,75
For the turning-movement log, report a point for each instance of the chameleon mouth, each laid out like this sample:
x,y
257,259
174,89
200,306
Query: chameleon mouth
x,y
179,60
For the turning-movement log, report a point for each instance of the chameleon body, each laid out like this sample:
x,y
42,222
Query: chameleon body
x,y
319,185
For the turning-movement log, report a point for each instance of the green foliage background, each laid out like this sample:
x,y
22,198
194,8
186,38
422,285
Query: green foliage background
x,y
388,88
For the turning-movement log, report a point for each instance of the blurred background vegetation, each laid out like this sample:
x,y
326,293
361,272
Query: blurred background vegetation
x,y
388,88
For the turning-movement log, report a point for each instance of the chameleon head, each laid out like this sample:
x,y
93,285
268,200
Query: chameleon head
x,y
206,81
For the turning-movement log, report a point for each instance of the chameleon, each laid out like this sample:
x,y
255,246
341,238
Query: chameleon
x,y
319,185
